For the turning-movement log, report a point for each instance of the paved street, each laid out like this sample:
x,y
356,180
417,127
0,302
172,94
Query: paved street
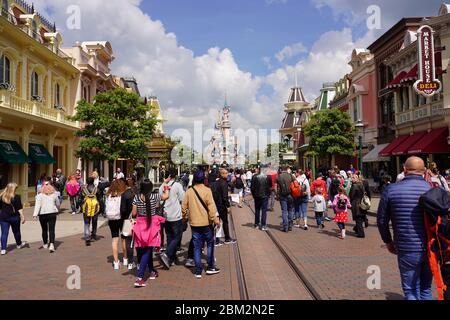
x,y
336,269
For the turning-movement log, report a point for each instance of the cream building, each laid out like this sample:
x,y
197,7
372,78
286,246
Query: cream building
x,y
38,90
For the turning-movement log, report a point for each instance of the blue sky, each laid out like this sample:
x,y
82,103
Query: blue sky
x,y
251,29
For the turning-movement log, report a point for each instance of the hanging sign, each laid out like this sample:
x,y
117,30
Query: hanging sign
x,y
427,85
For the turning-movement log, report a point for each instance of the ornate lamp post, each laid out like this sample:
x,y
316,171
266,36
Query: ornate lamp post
x,y
360,127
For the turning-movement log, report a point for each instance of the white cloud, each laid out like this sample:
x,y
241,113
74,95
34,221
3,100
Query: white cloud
x,y
276,1
291,51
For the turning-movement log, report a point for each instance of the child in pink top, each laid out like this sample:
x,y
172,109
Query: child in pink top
x,y
341,204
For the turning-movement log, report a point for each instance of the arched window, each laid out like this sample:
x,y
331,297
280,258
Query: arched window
x,y
5,6
34,84
5,70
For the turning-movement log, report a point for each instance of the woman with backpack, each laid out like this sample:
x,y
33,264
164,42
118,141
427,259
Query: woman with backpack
x,y
341,204
73,188
47,208
11,215
359,215
301,202
90,208
115,221
146,231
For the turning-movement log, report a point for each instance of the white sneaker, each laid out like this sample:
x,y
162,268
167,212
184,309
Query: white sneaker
x,y
22,245
131,266
125,262
74,213
45,246
51,248
116,265
3,252
190,263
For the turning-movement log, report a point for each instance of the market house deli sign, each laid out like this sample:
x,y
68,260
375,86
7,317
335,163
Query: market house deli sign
x,y
427,85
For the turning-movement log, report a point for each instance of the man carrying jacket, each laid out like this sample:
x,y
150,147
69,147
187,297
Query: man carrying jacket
x,y
400,204
261,187
219,188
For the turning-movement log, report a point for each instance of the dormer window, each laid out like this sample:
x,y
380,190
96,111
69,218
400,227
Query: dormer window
x,y
5,70
34,29
57,96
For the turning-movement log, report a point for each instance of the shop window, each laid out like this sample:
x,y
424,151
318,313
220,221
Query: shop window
x,y
5,70
33,174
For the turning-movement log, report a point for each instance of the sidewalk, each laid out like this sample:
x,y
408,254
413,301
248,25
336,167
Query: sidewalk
x,y
66,225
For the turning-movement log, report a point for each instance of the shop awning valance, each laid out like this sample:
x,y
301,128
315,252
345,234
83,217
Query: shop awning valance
x,y
374,156
394,144
405,146
12,152
433,142
39,154
397,80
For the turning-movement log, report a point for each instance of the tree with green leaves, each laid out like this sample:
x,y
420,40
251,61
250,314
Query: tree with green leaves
x,y
330,132
117,125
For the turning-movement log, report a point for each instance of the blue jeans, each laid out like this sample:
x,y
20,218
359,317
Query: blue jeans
x,y
87,224
200,235
301,208
319,218
261,211
287,212
416,275
14,222
271,200
146,255
174,232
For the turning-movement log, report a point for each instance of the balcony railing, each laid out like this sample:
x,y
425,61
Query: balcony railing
x,y
10,101
418,113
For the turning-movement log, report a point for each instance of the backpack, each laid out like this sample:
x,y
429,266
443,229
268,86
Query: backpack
x,y
90,206
239,184
342,204
365,203
296,190
72,189
112,207
436,204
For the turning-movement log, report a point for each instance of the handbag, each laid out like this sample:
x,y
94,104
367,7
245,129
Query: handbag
x,y
365,203
219,230
127,228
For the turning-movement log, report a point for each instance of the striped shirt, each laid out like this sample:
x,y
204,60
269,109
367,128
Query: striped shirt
x,y
155,198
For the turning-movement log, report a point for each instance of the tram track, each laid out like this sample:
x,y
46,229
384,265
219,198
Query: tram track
x,y
298,273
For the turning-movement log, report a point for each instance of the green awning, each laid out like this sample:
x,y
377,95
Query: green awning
x,y
38,154
12,152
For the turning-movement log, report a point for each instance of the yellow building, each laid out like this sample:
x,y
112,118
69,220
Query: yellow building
x,y
38,85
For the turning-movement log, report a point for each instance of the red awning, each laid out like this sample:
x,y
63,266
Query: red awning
x,y
406,145
394,144
434,141
396,82
411,75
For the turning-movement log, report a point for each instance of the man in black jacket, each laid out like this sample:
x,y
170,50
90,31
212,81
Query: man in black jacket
x,y
261,188
219,189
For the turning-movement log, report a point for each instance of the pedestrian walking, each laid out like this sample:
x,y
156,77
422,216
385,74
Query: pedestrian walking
x,y
286,200
90,199
301,203
220,194
199,208
359,215
126,208
261,188
320,183
11,216
73,189
146,231
273,174
341,204
399,204
320,207
437,178
174,218
46,208
115,221
60,184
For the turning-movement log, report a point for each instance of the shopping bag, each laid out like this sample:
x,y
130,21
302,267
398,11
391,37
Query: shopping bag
x,y
127,227
219,231
235,198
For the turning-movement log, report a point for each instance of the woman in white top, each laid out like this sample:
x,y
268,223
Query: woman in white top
x,y
47,208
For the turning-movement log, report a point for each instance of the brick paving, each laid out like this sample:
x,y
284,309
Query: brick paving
x,y
338,268
33,273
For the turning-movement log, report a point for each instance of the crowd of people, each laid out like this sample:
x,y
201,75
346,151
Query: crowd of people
x,y
151,221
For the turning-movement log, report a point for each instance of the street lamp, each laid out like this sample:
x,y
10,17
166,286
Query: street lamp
x,y
360,127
